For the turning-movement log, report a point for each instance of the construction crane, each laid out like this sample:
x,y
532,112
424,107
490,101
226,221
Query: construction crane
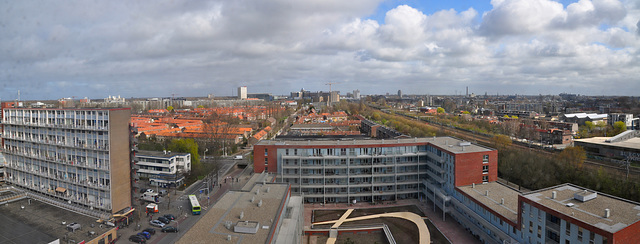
x,y
329,98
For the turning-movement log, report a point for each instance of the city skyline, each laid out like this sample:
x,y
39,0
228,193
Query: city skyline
x,y
191,49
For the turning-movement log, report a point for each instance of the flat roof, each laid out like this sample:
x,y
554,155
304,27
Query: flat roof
x,y
623,212
497,192
158,154
632,143
39,222
450,144
211,227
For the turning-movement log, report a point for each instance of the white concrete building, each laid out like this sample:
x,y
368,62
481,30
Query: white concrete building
x,y
162,168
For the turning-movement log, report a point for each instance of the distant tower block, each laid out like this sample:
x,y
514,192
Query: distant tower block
x,y
242,93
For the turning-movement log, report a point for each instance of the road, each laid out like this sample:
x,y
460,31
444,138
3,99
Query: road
x,y
178,205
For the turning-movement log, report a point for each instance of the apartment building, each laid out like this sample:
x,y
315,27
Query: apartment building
x,y
496,213
78,157
371,170
162,168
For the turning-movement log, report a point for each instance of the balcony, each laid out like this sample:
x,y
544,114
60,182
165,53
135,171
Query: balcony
x,y
435,177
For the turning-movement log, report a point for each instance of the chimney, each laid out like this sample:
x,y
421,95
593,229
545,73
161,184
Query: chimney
x,y
554,194
607,213
501,201
473,185
486,193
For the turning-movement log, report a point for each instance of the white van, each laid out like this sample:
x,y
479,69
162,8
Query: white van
x,y
237,157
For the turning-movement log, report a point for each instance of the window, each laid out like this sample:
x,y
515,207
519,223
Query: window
x,y
485,178
485,169
530,227
286,152
567,227
539,231
265,152
592,237
266,161
485,158
580,230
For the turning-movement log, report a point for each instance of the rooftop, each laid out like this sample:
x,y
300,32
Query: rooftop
x,y
623,212
211,227
38,222
449,144
159,154
497,192
633,143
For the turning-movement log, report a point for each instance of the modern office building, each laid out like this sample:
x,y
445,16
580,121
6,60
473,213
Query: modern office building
x,y
75,158
373,170
162,168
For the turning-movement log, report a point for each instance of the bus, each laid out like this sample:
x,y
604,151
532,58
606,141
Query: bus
x,y
195,205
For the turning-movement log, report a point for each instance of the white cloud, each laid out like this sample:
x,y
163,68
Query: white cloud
x,y
198,47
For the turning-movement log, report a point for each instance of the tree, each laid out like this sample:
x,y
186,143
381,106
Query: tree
x,y
440,110
501,142
170,108
619,127
574,156
186,146
590,125
465,112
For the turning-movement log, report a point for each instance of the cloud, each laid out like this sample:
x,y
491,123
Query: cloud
x,y
193,48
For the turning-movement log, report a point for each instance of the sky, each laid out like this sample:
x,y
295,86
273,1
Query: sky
x,y
95,49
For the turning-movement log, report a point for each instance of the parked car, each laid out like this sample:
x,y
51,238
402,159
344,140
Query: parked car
x,y
156,223
145,234
150,230
169,229
164,220
143,190
170,216
162,192
137,239
149,190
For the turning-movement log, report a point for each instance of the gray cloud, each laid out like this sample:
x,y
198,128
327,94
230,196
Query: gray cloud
x,y
192,48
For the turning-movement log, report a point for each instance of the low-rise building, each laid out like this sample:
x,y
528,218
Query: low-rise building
x,y
162,168
261,212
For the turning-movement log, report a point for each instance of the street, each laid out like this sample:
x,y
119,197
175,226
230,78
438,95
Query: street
x,y
178,205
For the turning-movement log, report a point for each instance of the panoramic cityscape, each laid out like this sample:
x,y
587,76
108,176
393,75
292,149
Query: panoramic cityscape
x,y
503,121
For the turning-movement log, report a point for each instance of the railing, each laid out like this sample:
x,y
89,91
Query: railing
x,y
104,147
84,127
70,207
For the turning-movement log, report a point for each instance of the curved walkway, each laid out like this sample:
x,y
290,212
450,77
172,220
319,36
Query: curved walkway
x,y
425,236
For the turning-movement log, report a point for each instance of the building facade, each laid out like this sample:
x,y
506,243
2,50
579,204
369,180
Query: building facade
x,y
242,93
77,156
164,168
372,170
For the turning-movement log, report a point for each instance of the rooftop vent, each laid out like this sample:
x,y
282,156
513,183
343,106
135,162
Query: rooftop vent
x,y
554,194
607,213
465,143
569,204
584,196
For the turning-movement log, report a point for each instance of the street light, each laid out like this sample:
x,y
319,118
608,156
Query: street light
x,y
205,153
